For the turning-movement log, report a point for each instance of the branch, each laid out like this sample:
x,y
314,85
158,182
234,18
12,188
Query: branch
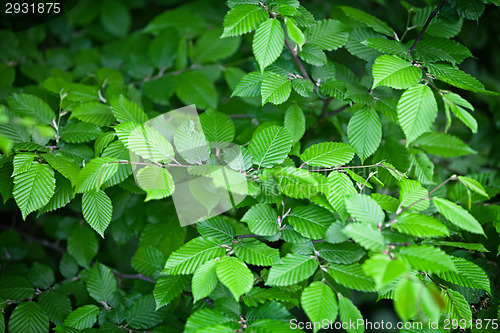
x,y
43,242
431,16
135,277
299,63
453,177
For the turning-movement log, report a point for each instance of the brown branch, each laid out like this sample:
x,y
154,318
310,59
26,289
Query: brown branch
x,y
135,277
431,16
299,63
453,177
42,242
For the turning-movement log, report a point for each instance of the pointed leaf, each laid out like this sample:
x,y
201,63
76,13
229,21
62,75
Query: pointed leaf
x,y
295,268
364,132
34,188
319,303
97,210
268,42
270,146
328,154
235,275
394,72
458,216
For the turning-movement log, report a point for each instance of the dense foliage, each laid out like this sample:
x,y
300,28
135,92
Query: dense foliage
x,y
368,154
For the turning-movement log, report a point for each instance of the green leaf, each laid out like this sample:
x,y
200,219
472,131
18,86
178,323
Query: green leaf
x,y
371,21
394,72
257,253
328,154
454,49
148,260
204,280
313,55
420,225
297,183
406,296
42,276
15,287
80,132
342,253
473,185
29,317
115,17
351,276
364,132
217,227
82,245
22,162
295,122
411,193
30,106
417,110
235,275
311,221
327,34
57,305
82,317
210,47
427,258
387,202
125,110
34,188
348,313
383,269
455,77
94,113
458,216
262,220
303,87
442,144
458,106
169,287
268,42
156,181
275,89
97,210
217,127
207,320
249,85
95,173
243,19
142,314
190,143
319,303
467,274
101,283
295,34
145,141
340,187
389,46
192,255
67,167
270,146
193,87
366,235
365,209
457,306
295,268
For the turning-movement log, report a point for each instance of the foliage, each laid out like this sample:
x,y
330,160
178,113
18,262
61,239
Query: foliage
x,y
367,152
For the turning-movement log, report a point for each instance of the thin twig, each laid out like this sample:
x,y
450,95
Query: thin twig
x,y
135,277
431,16
453,177
32,239
299,63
